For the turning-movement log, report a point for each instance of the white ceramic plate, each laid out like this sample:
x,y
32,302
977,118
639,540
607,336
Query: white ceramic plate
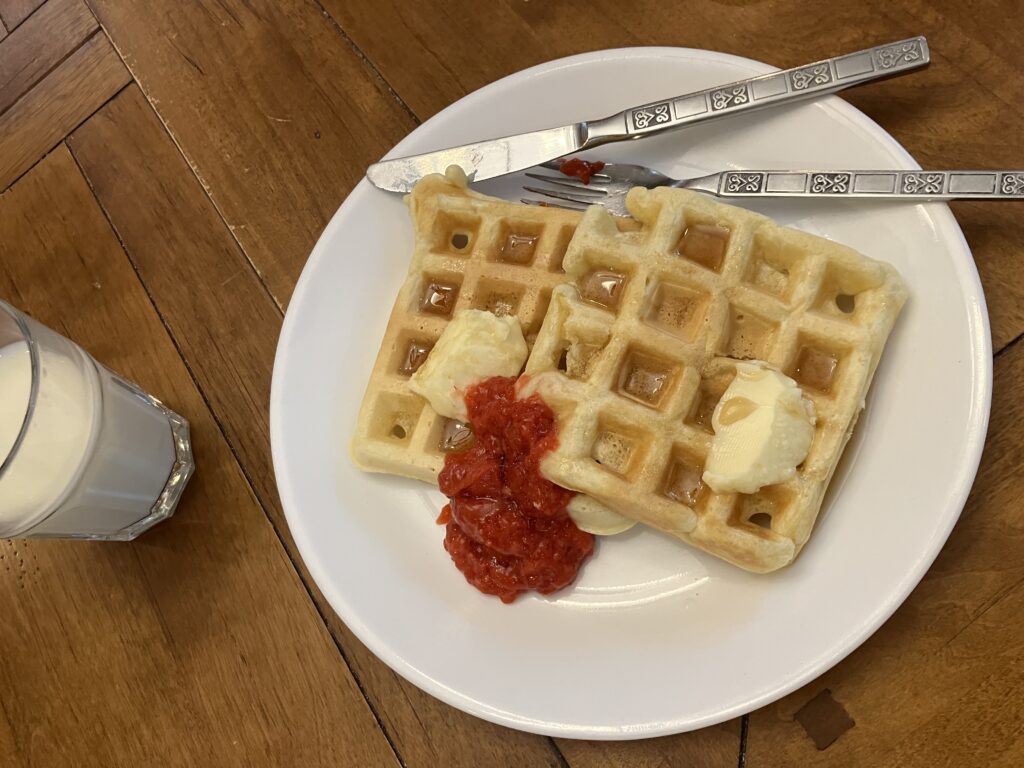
x,y
654,638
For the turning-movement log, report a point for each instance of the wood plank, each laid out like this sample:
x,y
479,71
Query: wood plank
x,y
986,725
954,114
197,644
7,740
714,747
994,232
421,48
414,720
226,327
901,105
423,53
943,676
945,116
966,98
976,41
13,12
278,141
41,43
68,95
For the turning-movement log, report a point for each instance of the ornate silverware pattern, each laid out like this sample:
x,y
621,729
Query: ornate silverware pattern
x,y
610,186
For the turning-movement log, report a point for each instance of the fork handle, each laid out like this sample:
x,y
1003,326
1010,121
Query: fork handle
x,y
886,184
783,87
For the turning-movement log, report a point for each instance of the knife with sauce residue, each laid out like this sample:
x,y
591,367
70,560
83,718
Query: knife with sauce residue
x,y
497,157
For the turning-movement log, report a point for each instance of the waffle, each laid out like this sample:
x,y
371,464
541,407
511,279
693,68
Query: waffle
x,y
636,351
470,251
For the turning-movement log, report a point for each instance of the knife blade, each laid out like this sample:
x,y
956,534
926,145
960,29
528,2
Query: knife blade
x,y
497,157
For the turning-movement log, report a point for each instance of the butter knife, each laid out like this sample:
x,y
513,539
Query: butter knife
x,y
497,157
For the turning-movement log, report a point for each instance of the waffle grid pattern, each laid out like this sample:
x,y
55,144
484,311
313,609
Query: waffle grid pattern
x,y
636,351
471,251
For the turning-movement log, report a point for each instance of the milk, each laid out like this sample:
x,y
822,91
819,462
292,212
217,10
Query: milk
x,y
53,450
96,454
15,389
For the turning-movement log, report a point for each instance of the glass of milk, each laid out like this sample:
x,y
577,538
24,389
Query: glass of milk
x,y
83,453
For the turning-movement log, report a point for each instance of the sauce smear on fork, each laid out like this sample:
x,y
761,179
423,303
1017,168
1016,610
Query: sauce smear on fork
x,y
581,169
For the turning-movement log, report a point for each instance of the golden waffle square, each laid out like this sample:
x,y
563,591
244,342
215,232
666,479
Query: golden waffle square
x,y
471,251
636,351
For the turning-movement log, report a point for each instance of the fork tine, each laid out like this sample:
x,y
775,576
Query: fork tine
x,y
554,165
574,185
558,194
546,204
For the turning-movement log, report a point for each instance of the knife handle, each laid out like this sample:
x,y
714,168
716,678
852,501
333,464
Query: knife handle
x,y
783,87
885,185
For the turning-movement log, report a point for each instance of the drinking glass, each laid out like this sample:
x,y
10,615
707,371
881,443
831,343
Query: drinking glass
x,y
83,453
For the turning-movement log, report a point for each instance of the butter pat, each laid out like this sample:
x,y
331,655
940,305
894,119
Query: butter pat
x,y
763,430
593,517
474,346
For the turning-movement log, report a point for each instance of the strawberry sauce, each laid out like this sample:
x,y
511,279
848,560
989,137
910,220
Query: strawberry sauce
x,y
507,527
581,169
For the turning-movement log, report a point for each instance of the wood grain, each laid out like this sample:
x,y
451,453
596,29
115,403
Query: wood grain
x,y
940,682
970,94
226,327
953,114
41,43
424,52
68,95
7,741
196,645
279,142
13,12
714,747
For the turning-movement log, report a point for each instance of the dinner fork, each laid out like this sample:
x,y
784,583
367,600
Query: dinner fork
x,y
608,186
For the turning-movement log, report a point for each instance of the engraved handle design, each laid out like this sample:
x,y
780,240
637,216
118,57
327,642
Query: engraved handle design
x,y
886,184
743,182
655,115
830,183
906,52
769,90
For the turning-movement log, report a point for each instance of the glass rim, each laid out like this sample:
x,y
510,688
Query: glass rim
x,y
19,319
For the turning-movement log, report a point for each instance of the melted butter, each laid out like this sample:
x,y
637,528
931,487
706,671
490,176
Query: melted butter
x,y
415,355
456,436
684,483
763,431
475,345
518,249
736,409
602,287
704,244
816,369
755,374
438,298
644,380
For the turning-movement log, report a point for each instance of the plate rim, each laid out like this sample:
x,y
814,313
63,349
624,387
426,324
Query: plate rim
x,y
981,364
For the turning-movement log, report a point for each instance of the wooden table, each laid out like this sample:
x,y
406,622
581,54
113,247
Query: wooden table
x,y
167,165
